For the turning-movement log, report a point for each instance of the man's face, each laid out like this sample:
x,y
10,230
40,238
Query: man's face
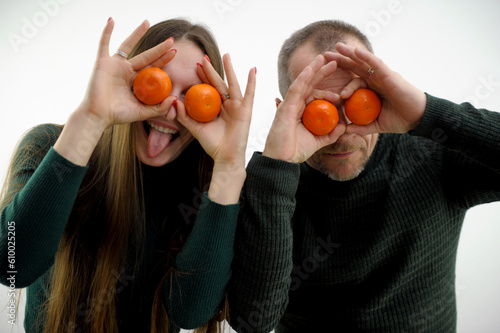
x,y
347,157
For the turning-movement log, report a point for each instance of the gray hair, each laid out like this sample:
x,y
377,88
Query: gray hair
x,y
323,35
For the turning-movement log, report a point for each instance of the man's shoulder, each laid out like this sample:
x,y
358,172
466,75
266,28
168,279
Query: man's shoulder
x,y
406,143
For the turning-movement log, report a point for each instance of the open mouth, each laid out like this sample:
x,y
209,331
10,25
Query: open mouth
x,y
158,138
148,125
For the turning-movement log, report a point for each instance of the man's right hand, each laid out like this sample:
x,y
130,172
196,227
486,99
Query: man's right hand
x,y
288,139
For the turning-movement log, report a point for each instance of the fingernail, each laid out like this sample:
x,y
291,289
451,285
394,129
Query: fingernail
x,y
174,103
199,64
255,70
109,19
172,38
173,50
207,58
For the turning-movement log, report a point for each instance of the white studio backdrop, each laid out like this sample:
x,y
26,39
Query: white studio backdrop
x,y
449,49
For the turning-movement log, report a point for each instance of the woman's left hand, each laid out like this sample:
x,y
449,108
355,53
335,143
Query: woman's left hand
x,y
225,137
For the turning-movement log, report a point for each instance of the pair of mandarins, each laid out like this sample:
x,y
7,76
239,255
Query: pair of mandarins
x,y
363,107
202,101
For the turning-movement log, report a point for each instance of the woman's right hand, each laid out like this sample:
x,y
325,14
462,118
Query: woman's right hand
x,y
109,99
109,96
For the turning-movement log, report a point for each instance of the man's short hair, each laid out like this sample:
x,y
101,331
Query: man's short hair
x,y
323,36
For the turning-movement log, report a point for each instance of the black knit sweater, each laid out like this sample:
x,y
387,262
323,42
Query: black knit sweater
x,y
374,254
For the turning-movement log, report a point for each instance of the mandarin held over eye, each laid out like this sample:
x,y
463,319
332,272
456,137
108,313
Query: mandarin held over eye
x,y
320,117
152,85
363,107
202,102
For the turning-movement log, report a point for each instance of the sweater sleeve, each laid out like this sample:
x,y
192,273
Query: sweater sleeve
x,y
471,138
258,290
32,224
203,267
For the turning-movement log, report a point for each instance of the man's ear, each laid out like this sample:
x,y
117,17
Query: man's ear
x,y
278,101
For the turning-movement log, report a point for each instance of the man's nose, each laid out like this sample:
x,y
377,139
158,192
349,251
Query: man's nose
x,y
341,110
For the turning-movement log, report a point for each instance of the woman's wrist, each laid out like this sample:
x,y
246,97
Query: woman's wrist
x,y
227,182
80,136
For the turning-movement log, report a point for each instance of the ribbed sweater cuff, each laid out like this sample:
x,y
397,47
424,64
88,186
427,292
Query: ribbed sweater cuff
x,y
272,177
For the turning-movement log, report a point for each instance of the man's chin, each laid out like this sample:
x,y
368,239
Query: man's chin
x,y
342,176
339,170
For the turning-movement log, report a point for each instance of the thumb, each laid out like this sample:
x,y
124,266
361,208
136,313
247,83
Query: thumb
x,y
167,103
278,101
183,117
150,111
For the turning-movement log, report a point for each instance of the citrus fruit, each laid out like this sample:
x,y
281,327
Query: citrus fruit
x,y
363,107
202,102
152,85
320,117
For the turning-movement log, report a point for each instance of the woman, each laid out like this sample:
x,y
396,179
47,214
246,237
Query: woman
x,y
125,216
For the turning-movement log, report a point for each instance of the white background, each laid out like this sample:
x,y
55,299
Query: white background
x,y
447,48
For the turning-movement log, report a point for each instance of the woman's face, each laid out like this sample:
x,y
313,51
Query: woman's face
x,y
160,140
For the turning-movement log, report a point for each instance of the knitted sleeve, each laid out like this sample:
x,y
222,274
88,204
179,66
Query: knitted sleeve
x,y
471,160
203,267
258,290
32,224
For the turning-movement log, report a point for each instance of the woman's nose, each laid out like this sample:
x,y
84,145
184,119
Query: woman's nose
x,y
172,111
177,93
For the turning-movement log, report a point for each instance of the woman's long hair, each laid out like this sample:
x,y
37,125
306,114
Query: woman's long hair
x,y
108,211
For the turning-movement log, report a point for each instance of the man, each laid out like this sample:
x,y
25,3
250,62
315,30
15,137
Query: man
x,y
357,230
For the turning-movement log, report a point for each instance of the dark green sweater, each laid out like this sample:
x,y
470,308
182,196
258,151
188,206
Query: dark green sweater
x,y
374,254
41,210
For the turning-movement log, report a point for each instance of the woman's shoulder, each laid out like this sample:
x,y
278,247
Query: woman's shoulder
x,y
42,135
35,144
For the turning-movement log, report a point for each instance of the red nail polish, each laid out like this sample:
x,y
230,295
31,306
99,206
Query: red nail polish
x,y
174,103
255,70
173,50
109,19
207,58
199,64
172,38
